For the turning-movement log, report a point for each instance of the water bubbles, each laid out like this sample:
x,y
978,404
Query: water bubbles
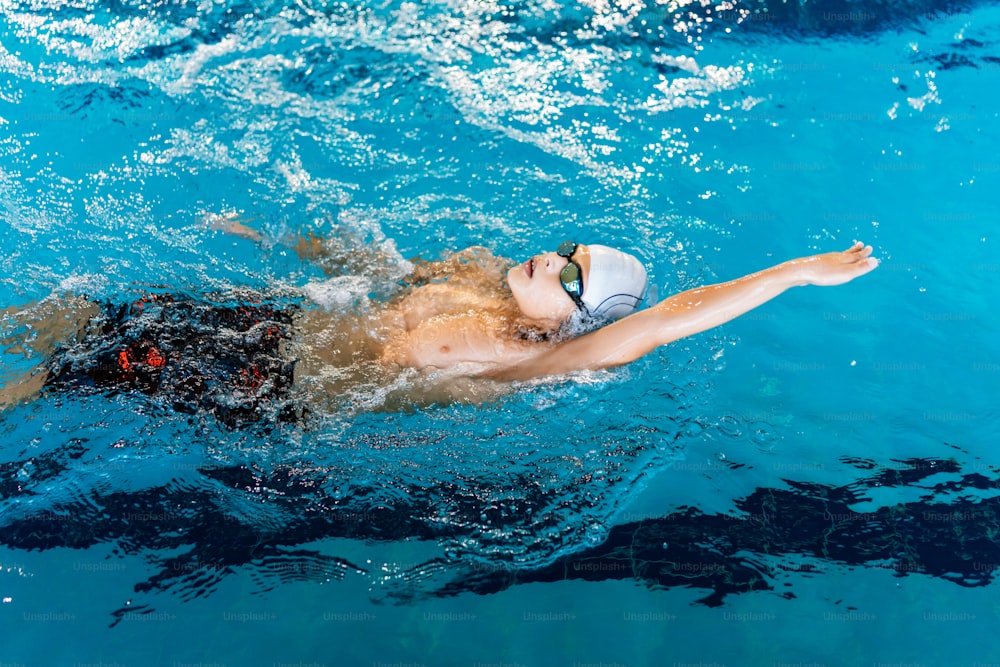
x,y
729,427
694,429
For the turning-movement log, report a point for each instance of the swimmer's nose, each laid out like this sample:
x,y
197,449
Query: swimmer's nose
x,y
553,262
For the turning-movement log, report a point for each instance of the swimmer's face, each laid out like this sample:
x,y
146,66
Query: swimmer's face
x,y
537,288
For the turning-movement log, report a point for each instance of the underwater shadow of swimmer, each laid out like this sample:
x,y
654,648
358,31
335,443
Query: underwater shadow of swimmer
x,y
806,524
740,552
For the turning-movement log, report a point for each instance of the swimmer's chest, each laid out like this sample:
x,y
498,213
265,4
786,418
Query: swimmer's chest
x,y
450,341
446,327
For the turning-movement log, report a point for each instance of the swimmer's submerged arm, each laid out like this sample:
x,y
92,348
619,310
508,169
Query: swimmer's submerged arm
x,y
692,312
309,246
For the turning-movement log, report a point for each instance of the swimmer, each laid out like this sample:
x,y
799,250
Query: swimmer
x,y
599,288
471,317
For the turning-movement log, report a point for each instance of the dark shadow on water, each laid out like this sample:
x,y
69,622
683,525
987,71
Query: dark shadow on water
x,y
803,528
798,528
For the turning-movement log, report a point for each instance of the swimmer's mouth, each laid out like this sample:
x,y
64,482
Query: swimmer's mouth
x,y
529,267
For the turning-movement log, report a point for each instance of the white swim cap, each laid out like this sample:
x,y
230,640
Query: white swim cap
x,y
616,284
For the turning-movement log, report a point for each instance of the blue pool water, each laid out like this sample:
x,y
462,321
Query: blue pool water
x,y
814,483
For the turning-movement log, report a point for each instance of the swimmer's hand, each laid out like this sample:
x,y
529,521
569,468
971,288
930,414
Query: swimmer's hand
x,y
834,268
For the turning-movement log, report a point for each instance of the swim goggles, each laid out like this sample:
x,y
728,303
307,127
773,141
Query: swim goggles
x,y
571,275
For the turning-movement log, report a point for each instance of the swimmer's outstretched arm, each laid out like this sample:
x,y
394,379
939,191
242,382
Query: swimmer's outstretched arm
x,y
692,312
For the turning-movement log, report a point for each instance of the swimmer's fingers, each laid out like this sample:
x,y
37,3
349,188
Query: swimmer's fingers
x,y
836,268
857,252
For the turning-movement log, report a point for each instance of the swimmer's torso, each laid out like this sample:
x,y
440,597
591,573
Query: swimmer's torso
x,y
240,357
437,326
457,327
